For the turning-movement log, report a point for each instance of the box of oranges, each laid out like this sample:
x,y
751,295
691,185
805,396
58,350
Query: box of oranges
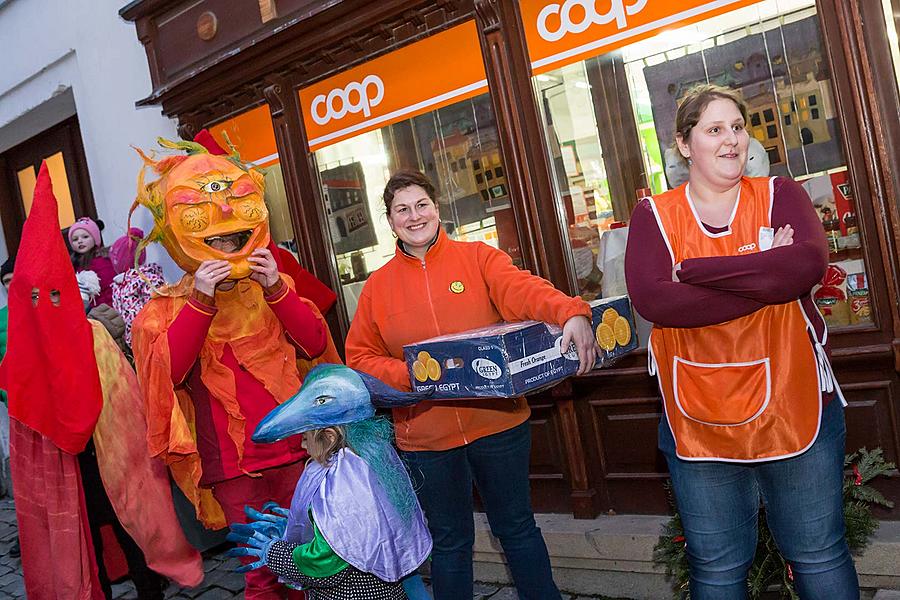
x,y
613,324
501,361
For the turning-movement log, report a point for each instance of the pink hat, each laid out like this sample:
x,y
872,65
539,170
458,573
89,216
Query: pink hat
x,y
121,253
88,225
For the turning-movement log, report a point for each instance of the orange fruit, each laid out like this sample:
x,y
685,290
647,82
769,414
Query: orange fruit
x,y
622,331
606,337
609,316
420,372
423,357
433,369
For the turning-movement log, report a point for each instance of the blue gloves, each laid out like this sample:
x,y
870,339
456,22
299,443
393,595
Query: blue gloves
x,y
415,588
257,535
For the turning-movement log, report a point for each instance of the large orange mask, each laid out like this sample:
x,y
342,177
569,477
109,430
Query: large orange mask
x,y
205,207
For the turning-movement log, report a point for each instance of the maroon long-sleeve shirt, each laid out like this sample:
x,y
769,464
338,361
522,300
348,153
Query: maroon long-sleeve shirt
x,y
718,289
218,453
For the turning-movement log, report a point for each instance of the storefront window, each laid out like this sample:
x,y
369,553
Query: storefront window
x,y
770,51
370,122
252,134
892,18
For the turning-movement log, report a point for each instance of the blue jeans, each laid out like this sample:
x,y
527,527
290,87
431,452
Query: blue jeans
x,y
498,464
719,505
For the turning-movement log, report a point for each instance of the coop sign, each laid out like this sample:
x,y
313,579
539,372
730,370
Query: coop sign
x,y
560,33
394,87
571,20
355,97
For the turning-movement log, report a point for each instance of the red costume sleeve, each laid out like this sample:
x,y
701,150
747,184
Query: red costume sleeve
x,y
186,335
648,271
305,282
778,275
302,326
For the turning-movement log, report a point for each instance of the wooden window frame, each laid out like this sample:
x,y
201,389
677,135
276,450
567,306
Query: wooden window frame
x,y
64,137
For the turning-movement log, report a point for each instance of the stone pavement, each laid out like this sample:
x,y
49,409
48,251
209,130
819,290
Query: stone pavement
x,y
220,582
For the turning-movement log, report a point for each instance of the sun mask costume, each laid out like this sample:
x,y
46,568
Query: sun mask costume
x,y
67,383
206,207
354,528
212,366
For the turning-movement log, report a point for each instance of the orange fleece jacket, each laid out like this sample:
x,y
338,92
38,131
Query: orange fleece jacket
x,y
409,300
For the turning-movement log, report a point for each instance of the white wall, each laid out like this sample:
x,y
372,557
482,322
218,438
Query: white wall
x,y
60,55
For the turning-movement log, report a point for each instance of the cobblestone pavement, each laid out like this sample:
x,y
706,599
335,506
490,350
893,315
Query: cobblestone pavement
x,y
220,582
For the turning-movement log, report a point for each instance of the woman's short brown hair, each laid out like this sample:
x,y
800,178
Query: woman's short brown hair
x,y
402,180
695,102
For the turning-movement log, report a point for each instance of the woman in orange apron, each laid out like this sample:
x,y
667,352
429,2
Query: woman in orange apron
x,y
723,266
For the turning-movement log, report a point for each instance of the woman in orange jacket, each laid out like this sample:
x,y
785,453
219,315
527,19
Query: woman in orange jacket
x,y
434,286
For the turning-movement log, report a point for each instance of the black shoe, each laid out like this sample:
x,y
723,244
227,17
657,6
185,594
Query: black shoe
x,y
16,550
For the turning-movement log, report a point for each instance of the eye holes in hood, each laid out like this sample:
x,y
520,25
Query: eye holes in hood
x,y
55,297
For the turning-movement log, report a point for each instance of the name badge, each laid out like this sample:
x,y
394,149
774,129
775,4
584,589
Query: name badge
x,y
766,237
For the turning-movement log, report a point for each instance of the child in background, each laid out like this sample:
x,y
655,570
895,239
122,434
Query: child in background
x,y
89,254
134,281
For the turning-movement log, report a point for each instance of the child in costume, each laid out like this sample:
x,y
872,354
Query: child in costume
x,y
355,528
135,281
89,254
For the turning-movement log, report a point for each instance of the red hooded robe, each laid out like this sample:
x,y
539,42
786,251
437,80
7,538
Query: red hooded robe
x,y
56,395
54,403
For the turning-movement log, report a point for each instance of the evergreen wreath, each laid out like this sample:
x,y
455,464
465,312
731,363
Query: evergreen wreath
x,y
769,567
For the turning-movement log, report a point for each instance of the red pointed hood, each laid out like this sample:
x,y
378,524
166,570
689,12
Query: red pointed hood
x,y
49,371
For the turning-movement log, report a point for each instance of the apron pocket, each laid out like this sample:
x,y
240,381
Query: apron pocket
x,y
723,394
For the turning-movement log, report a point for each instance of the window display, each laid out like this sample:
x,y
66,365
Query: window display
x,y
891,20
770,52
369,122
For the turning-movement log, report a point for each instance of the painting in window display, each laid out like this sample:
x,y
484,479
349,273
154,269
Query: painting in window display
x,y
464,160
785,81
346,202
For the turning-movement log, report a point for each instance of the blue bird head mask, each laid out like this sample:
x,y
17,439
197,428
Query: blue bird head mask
x,y
330,395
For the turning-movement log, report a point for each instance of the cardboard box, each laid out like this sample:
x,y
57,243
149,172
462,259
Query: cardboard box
x,y
613,322
511,359
500,361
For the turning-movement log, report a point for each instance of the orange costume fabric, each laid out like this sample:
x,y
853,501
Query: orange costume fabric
x,y
409,300
256,337
747,389
137,485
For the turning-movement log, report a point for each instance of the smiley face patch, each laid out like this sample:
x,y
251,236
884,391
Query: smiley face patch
x,y
457,287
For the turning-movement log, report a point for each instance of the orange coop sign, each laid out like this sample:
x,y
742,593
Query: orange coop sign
x,y
439,70
252,134
561,32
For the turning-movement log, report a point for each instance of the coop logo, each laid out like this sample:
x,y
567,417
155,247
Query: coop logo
x,y
487,368
747,247
355,97
587,11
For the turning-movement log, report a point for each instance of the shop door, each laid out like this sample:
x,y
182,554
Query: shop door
x,y
61,147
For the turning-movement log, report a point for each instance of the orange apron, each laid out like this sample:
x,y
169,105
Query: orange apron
x,y
745,390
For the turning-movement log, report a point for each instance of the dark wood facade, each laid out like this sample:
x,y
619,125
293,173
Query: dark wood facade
x,y
594,436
